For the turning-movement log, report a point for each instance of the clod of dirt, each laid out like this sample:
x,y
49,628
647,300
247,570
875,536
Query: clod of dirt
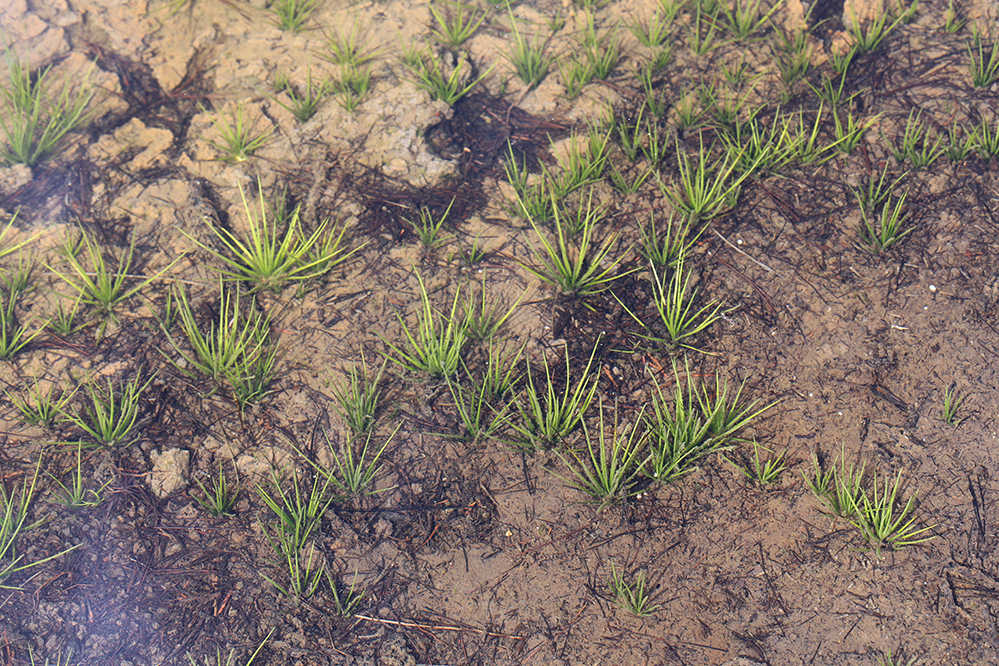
x,y
170,470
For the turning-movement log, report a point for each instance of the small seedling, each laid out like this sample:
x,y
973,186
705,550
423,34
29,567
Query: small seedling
x,y
984,66
304,102
359,398
706,189
346,600
679,435
602,52
609,470
654,31
14,336
744,17
428,229
632,597
666,250
727,414
292,15
229,661
112,413
794,56
878,235
478,418
839,487
271,258
352,86
298,513
575,73
954,21
76,495
483,322
887,659
454,26
237,140
220,500
304,565
763,471
915,144
35,116
549,414
355,471
952,401
435,347
702,42
867,38
349,47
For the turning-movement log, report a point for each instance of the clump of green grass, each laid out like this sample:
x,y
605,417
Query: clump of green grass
x,y
880,233
237,348
952,401
304,100
277,252
237,140
110,414
220,499
35,114
358,400
550,410
292,15
677,306
100,282
435,346
631,596
872,504
984,66
441,80
42,408
454,26
698,422
356,467
15,505
428,228
609,469
579,269
529,57
760,470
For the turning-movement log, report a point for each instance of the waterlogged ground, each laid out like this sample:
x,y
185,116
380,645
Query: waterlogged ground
x,y
483,553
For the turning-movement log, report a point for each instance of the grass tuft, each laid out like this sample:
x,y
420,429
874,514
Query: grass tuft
x,y
35,115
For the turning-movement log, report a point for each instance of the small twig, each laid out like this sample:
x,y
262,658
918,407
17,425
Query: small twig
x,y
758,263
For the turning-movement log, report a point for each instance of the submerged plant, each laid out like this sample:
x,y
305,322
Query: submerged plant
x,y
610,467
272,257
632,597
237,140
435,346
552,409
14,508
111,414
35,115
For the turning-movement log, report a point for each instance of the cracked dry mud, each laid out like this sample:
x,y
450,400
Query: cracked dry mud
x,y
484,554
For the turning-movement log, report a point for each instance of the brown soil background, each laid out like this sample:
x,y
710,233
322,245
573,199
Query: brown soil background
x,y
481,555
